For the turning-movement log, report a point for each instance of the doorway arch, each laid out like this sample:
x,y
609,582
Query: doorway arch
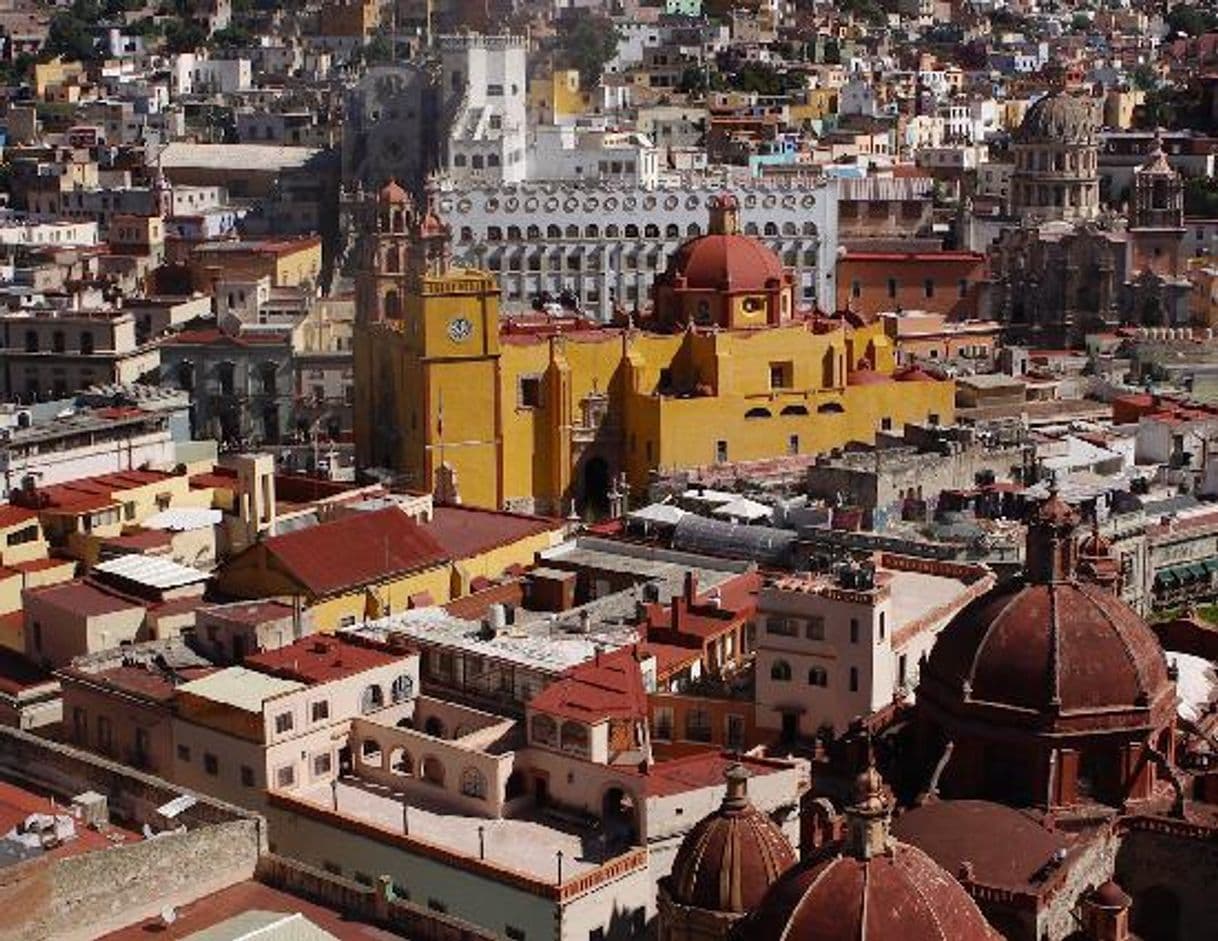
x,y
597,480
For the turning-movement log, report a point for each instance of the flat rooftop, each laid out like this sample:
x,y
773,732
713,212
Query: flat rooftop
x,y
527,845
17,804
240,688
917,594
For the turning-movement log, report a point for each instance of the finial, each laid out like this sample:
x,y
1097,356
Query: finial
x,y
737,787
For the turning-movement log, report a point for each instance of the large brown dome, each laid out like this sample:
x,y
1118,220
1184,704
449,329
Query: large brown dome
x,y
731,857
1058,651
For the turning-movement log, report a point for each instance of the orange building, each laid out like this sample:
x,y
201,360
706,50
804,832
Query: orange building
x,y
948,283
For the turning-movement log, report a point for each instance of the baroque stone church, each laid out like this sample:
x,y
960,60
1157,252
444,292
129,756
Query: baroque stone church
x,y
1069,267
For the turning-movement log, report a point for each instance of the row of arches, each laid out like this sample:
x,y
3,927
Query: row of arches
x,y
827,408
59,342
429,768
574,737
592,230
780,672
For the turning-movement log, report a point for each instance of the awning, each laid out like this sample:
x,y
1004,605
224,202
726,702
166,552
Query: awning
x,y
1166,578
1211,565
1197,571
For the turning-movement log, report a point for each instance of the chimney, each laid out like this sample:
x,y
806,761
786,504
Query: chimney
x,y
691,587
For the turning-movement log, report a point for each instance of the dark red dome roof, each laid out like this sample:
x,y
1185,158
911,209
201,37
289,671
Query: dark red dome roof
x,y
899,895
866,377
725,262
730,858
1064,649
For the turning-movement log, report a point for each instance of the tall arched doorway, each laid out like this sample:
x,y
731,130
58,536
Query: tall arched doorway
x,y
618,818
597,482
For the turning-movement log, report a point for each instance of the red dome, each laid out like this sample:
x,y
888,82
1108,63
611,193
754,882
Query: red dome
x,y
730,858
729,262
391,192
900,895
914,374
1063,655
866,377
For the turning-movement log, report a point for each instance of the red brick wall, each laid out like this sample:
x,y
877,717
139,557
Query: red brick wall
x,y
873,282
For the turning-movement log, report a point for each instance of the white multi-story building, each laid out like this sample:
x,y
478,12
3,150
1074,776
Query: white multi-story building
x,y
605,244
833,648
575,153
485,91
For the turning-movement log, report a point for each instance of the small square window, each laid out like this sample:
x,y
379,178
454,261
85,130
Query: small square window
x,y
320,710
285,776
283,723
321,765
530,392
183,753
211,764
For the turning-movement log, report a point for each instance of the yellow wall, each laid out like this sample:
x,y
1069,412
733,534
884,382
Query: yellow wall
x,y
558,95
492,564
299,265
54,72
394,595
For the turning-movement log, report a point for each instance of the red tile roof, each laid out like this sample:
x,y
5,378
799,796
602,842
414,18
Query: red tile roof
x,y
465,532
320,659
701,769
84,597
90,493
356,550
250,612
148,683
218,907
608,687
18,673
17,803
473,607
14,515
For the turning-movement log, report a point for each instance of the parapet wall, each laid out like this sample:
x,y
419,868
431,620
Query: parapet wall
x,y
82,896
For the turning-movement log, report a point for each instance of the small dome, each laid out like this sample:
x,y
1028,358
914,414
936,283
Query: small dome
x,y
730,262
730,858
1059,118
866,377
392,192
869,887
1110,895
901,895
914,374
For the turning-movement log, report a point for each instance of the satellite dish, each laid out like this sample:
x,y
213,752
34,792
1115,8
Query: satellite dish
x,y
168,916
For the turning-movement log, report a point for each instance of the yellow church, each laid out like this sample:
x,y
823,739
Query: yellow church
x,y
545,413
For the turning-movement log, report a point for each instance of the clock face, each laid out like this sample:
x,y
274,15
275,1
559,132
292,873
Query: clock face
x,y
460,329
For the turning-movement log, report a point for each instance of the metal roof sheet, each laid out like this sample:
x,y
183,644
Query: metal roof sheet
x,y
150,571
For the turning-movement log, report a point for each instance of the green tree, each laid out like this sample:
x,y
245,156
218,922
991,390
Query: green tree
x,y
1192,20
1144,77
70,32
586,41
231,37
184,36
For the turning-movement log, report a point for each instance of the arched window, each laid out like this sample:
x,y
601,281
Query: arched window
x,y
575,738
393,306
651,231
795,410
226,373
467,234
672,231
431,770
543,730
370,752
553,232
402,688
592,231
473,783
393,262
780,671
818,676
830,408
434,727
758,413
572,231
750,228
611,231
632,231
513,233
371,699
494,233
533,232
693,230
400,762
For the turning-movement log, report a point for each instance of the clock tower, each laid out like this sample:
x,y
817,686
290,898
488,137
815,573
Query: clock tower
x,y
426,379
